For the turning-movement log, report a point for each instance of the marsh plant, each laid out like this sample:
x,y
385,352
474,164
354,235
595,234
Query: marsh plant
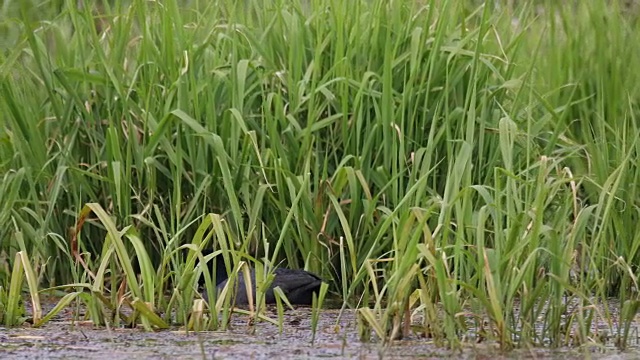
x,y
447,166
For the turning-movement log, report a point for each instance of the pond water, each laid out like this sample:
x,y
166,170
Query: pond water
x,y
335,339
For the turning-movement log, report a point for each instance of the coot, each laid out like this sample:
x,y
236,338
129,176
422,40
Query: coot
x,y
298,285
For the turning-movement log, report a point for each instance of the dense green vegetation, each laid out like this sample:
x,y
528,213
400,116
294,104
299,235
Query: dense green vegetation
x,y
465,160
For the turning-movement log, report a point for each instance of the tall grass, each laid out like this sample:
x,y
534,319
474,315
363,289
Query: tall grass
x,y
436,158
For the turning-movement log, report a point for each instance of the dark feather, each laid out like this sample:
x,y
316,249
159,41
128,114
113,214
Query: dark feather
x,y
297,285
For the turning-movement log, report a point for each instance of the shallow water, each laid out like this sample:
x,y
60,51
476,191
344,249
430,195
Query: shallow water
x,y
336,339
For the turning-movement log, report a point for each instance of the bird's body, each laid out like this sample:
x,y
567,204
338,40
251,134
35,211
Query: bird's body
x,y
297,285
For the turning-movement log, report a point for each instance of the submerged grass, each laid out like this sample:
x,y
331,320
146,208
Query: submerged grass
x,y
442,160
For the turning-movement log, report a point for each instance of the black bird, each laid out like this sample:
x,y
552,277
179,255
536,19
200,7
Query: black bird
x,y
298,285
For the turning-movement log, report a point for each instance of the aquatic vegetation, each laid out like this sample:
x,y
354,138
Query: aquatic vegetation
x,y
438,162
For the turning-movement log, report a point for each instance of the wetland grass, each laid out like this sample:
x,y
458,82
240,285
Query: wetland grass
x,y
445,165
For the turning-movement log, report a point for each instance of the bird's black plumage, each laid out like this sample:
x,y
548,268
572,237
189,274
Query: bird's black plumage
x,y
297,285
